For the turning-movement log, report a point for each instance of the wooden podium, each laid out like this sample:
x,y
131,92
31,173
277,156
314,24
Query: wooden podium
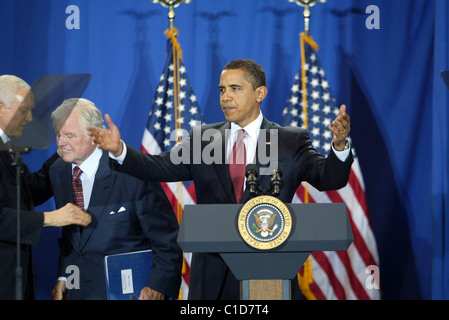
x,y
265,274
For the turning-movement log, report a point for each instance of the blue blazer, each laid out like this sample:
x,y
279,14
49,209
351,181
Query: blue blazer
x,y
209,277
127,215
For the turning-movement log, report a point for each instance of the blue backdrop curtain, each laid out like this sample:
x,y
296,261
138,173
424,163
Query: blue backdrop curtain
x,y
389,78
440,130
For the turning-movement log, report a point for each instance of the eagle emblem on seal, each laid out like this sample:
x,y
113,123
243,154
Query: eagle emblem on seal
x,y
264,220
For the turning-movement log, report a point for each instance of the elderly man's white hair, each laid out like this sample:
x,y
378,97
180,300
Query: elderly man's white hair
x,y
9,85
90,115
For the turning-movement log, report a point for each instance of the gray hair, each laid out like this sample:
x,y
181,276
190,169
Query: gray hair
x,y
90,115
9,85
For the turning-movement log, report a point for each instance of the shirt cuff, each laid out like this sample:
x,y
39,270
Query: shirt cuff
x,y
342,155
121,157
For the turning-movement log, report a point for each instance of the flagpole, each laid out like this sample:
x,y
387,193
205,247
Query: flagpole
x,y
305,37
172,34
306,279
177,56
171,5
307,4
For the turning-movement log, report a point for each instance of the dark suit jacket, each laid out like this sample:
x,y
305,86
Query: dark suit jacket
x,y
210,277
147,223
35,190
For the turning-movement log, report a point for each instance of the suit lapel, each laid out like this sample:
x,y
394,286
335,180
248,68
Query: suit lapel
x,y
103,185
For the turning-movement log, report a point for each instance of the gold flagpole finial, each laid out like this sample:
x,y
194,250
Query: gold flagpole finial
x,y
171,5
306,4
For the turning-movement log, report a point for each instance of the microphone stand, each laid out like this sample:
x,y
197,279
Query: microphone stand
x,y
17,162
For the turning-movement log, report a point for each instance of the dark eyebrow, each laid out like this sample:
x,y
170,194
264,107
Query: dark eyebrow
x,y
232,86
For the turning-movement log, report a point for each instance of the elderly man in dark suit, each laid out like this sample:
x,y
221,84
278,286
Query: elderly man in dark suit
x,y
127,214
242,90
16,104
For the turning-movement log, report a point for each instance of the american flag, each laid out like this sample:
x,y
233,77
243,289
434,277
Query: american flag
x,y
342,275
175,110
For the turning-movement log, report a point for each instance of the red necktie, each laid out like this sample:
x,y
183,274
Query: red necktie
x,y
77,188
237,165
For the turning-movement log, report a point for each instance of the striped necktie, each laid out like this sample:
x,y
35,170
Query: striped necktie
x,y
77,188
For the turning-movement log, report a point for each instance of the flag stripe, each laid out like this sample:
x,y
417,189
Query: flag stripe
x,y
360,223
326,266
357,287
334,196
321,282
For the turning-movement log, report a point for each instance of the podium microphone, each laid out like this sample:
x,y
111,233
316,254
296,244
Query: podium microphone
x,y
276,179
251,179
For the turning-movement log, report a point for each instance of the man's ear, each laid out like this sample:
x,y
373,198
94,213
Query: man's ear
x,y
261,93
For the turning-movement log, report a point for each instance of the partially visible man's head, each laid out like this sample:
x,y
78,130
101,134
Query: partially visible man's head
x,y
16,105
70,121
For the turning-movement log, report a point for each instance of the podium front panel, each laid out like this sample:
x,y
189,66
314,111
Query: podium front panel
x,y
316,227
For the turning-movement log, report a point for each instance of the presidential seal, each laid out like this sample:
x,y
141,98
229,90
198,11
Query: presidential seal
x,y
264,222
